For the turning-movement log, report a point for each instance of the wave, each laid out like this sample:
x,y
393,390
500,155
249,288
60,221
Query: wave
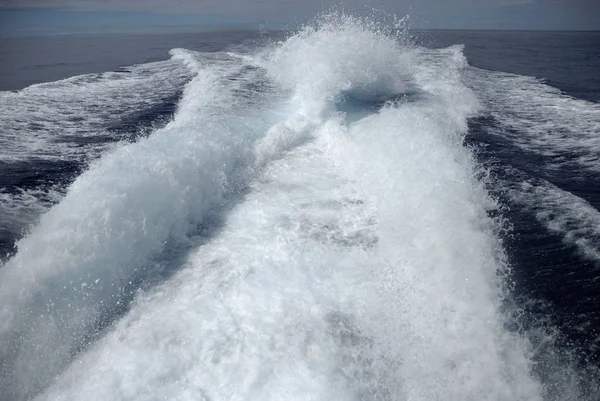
x,y
539,146
541,119
52,131
73,271
270,242
79,107
562,212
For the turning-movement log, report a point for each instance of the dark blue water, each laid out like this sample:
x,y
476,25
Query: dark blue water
x,y
545,177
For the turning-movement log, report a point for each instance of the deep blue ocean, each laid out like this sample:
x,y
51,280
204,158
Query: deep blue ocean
x,y
343,212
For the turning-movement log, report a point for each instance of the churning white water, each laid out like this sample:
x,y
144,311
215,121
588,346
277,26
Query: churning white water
x,y
309,226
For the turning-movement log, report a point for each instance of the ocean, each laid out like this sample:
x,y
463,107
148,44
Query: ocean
x,y
349,211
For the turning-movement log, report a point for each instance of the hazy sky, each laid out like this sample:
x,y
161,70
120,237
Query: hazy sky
x,y
42,17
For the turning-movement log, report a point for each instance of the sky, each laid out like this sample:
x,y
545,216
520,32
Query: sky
x,y
77,17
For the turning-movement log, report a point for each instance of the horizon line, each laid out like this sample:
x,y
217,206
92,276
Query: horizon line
x,y
253,27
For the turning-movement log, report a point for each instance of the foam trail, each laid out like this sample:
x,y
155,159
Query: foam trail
x,y
561,212
76,269
360,265
52,131
541,119
40,121
443,278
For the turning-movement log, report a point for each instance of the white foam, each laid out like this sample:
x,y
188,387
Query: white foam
x,y
306,292
318,64
72,271
360,264
248,317
68,122
436,285
39,120
541,119
562,212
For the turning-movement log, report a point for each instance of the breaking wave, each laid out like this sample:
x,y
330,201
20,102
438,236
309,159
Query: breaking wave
x,y
308,224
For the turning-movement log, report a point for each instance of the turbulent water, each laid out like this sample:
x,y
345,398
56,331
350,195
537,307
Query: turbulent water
x,y
337,215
